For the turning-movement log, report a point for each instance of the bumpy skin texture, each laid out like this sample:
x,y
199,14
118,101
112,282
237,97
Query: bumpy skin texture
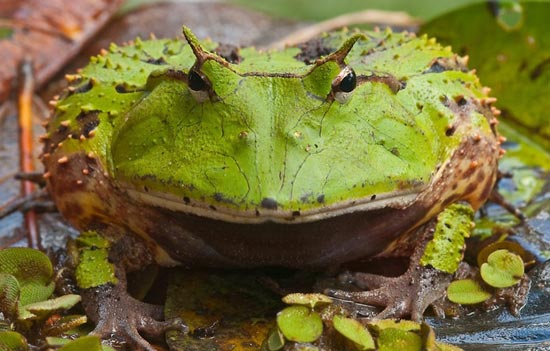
x,y
270,152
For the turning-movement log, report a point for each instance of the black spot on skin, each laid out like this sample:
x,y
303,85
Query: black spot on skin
x,y
321,198
221,198
83,88
395,151
436,67
87,121
229,52
55,138
312,50
122,89
269,203
158,61
212,207
461,101
442,64
295,213
186,200
373,197
450,131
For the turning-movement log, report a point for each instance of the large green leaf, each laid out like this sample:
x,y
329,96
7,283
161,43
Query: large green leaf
x,y
509,46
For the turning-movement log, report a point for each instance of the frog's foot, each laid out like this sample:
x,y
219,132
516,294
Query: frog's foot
x,y
121,320
407,295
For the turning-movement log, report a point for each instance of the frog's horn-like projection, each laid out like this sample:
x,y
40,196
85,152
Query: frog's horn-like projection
x,y
200,53
340,54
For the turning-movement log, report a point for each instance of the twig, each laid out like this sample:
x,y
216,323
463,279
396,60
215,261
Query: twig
x,y
401,19
26,142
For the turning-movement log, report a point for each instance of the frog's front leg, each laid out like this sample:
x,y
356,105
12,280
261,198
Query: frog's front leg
x,y
101,275
436,257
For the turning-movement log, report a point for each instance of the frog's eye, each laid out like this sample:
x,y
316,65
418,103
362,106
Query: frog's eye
x,y
199,85
344,84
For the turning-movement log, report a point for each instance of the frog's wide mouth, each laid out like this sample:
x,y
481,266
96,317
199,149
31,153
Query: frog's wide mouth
x,y
398,200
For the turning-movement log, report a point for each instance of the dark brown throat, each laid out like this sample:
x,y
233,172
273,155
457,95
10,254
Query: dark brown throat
x,y
315,244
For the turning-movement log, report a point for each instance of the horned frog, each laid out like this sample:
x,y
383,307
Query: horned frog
x,y
352,145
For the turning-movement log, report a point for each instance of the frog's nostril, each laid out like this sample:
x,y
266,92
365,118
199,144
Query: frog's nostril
x,y
269,203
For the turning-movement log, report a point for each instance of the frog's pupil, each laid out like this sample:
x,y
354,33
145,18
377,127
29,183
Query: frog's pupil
x,y
195,81
348,83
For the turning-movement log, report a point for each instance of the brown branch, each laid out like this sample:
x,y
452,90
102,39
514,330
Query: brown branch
x,y
378,17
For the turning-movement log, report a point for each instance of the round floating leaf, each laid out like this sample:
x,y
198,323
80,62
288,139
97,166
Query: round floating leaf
x,y
9,295
32,269
395,339
306,299
511,246
12,341
299,323
466,292
88,343
354,331
502,269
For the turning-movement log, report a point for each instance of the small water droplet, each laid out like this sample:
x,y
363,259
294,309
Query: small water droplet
x,y
509,15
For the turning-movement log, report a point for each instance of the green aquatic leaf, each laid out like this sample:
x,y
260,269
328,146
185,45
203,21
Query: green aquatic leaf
x,y
32,269
9,295
88,343
299,323
275,341
354,331
12,341
395,339
502,269
45,308
513,58
466,292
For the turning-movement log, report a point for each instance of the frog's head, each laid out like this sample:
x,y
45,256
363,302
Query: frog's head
x,y
273,137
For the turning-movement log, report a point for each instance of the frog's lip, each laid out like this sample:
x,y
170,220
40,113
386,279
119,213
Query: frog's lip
x,y
400,199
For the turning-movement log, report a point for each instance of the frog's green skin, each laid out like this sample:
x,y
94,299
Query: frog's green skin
x,y
270,164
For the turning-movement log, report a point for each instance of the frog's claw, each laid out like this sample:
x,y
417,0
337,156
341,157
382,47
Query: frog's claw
x,y
407,295
120,319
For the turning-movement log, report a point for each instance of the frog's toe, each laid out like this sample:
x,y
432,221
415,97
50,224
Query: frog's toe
x,y
408,295
122,321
